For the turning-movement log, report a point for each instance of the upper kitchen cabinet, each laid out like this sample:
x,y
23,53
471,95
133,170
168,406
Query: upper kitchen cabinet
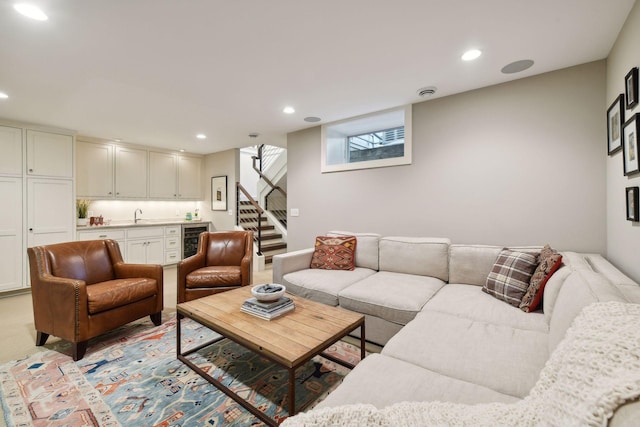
x,y
11,149
94,170
131,173
174,176
49,154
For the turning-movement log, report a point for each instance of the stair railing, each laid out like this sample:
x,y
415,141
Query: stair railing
x,y
276,199
259,212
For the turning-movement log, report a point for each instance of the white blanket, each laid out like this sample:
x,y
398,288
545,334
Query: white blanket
x,y
594,370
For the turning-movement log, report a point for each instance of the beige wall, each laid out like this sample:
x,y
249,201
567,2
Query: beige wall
x,y
623,237
218,164
519,163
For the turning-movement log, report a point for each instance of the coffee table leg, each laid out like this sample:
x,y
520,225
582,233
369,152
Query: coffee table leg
x,y
292,392
363,353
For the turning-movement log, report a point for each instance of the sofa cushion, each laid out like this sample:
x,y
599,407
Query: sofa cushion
x,y
219,275
509,278
395,297
470,302
580,288
548,262
471,264
334,253
323,285
117,293
415,255
381,381
366,248
466,349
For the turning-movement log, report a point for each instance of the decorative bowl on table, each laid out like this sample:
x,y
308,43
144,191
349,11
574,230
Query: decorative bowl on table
x,y
268,292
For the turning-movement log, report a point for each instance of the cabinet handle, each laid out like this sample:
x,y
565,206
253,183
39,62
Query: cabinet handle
x,y
102,236
31,230
30,170
109,193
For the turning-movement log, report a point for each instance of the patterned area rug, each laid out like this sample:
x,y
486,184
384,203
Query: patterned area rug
x,y
131,377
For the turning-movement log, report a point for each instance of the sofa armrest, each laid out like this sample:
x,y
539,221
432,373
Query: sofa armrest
x,y
290,262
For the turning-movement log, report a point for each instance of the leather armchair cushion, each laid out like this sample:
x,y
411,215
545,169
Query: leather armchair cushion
x,y
229,251
117,293
208,277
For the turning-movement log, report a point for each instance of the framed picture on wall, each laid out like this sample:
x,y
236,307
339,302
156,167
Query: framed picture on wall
x,y
615,119
632,203
631,88
630,134
219,193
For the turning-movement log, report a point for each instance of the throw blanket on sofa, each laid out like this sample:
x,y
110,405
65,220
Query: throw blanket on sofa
x,y
594,370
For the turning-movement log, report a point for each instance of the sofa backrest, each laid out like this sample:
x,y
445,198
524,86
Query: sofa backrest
x,y
580,288
471,264
423,256
87,260
367,245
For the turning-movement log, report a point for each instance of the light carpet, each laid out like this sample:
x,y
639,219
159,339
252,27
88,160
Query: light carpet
x,y
131,377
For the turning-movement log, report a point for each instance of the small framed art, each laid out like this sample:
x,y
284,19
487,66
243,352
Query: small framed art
x,y
615,119
631,88
219,193
632,203
630,133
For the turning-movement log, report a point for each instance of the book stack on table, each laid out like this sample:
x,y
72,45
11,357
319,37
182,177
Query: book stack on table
x,y
268,310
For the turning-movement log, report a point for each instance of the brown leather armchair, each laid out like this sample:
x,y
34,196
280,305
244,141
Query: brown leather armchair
x,y
223,262
83,289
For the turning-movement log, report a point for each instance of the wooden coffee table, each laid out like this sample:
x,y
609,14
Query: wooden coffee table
x,y
288,341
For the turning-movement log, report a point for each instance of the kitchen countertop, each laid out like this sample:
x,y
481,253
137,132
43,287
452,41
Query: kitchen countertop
x,y
141,223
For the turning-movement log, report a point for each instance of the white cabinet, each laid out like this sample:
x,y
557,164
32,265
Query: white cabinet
x,y
145,245
11,232
10,150
189,177
131,173
49,154
172,244
94,170
50,211
106,233
174,176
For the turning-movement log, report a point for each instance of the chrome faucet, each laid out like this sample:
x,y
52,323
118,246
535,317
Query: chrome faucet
x,y
135,215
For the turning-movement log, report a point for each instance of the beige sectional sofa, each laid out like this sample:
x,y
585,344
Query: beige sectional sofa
x,y
444,339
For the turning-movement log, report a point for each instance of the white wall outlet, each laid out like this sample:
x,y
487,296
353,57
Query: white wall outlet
x,y
89,214
230,212
295,212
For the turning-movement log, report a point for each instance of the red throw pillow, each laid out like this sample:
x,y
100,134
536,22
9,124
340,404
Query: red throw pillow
x,y
334,253
550,260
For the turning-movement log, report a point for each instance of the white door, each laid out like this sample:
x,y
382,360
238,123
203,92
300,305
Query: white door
x,y
155,251
49,154
50,211
94,170
162,175
11,149
11,234
131,173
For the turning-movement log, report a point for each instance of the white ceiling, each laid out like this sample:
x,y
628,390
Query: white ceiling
x,y
156,72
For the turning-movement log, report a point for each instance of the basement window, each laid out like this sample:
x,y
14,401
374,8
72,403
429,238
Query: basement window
x,y
371,141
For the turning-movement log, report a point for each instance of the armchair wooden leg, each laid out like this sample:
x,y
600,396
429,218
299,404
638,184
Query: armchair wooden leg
x,y
79,349
156,318
41,338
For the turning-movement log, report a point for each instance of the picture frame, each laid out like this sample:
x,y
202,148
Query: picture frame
x,y
615,120
632,203
631,88
630,133
219,193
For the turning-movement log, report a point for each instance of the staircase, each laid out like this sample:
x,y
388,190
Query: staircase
x,y
272,242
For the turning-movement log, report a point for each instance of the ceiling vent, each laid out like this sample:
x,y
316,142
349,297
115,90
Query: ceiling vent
x,y
428,91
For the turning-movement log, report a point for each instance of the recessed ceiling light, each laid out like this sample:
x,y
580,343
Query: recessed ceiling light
x,y
472,54
3,95
289,110
182,150
201,136
116,140
30,11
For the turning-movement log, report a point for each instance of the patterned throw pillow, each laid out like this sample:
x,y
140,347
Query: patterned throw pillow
x,y
550,260
334,253
510,275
